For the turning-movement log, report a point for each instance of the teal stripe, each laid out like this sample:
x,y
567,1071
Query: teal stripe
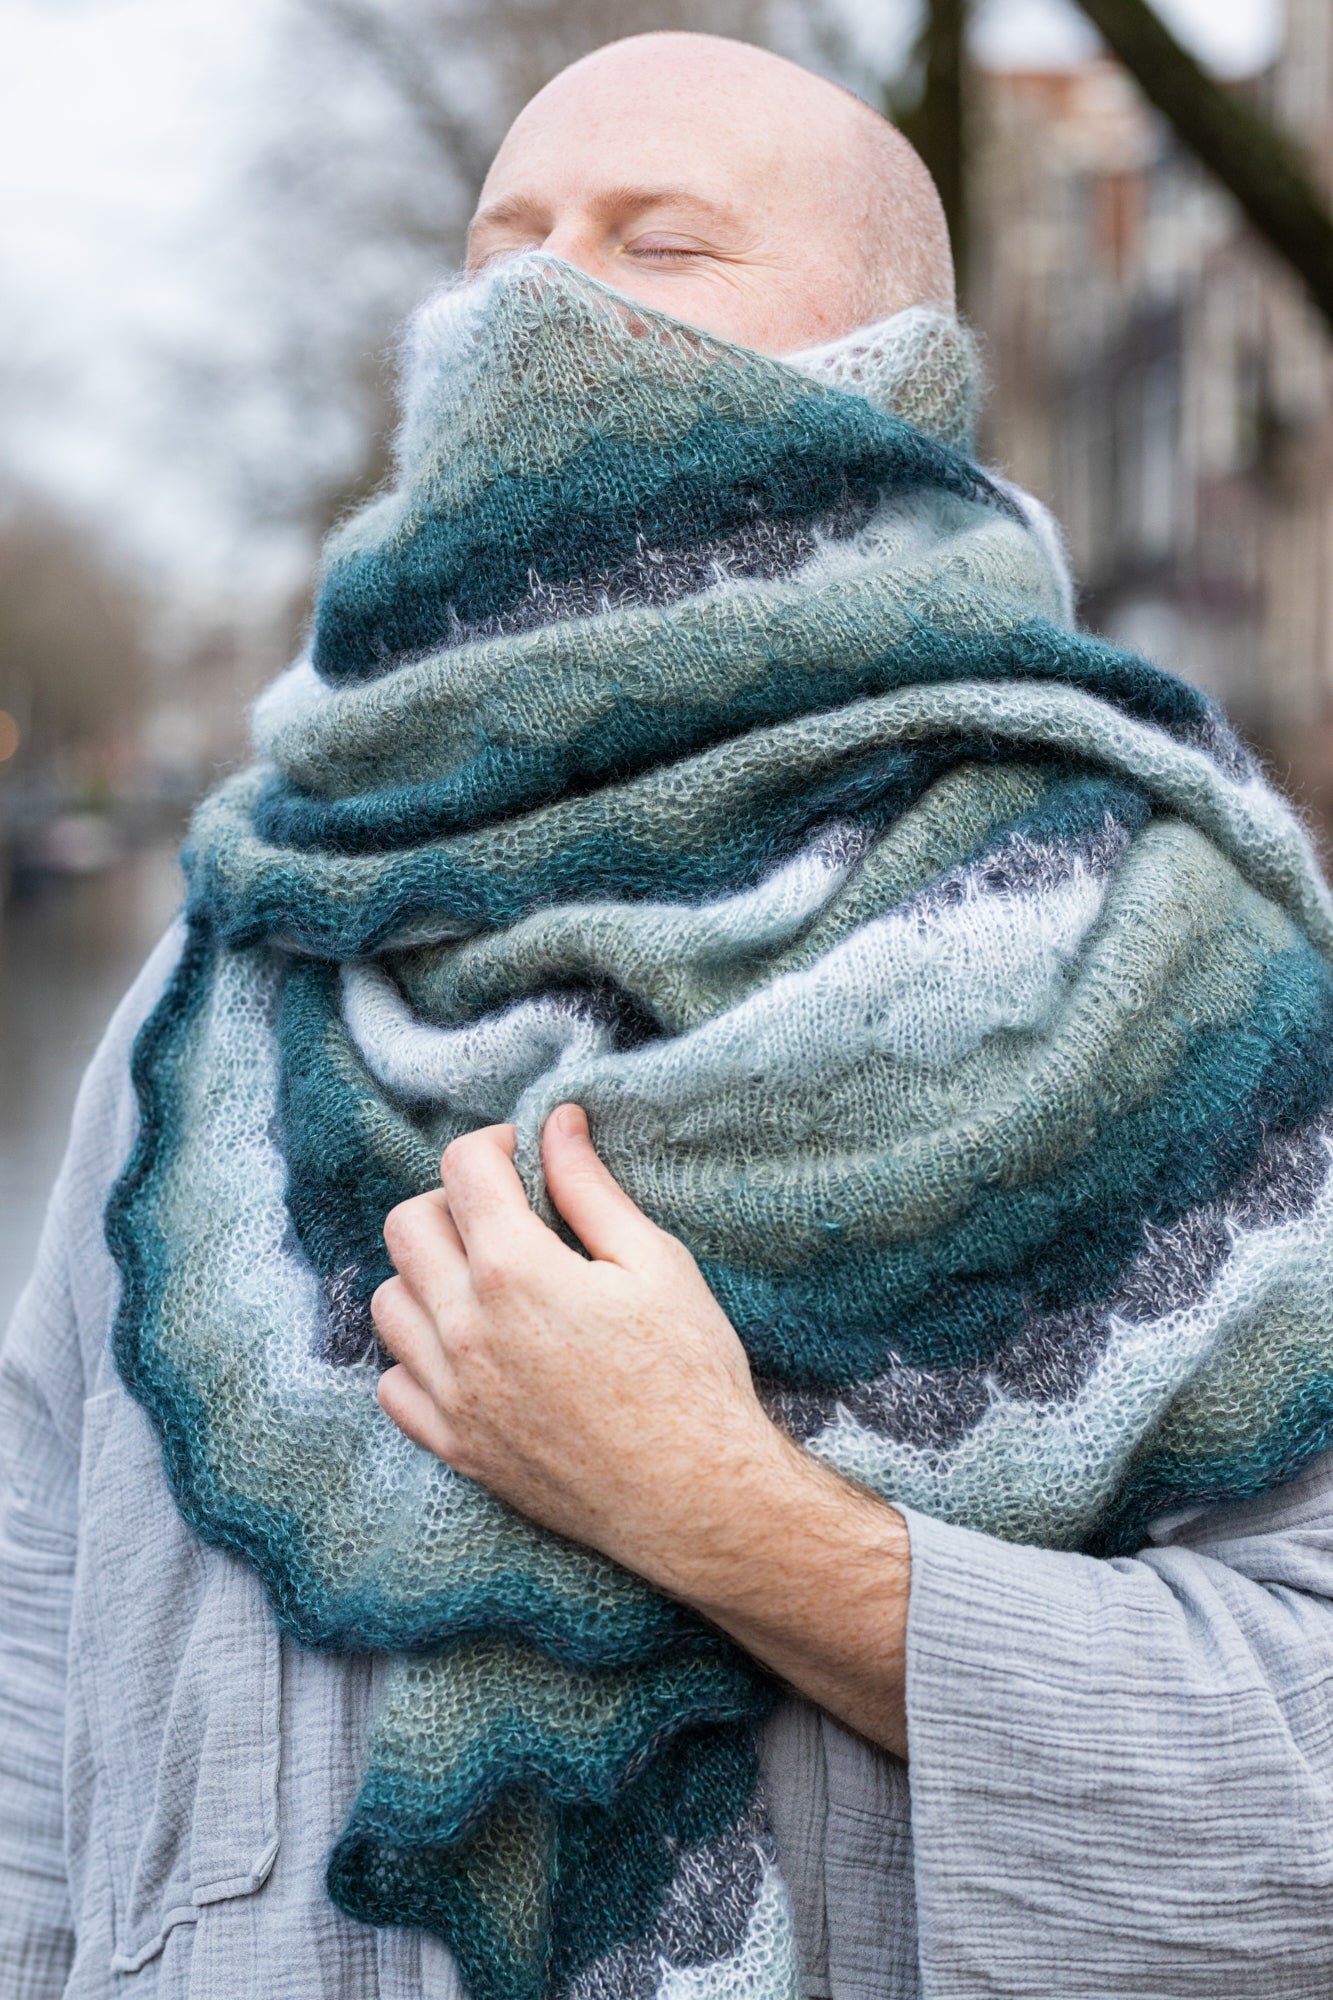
x,y
1067,1240
381,605
584,857
1162,1481
630,736
609,1866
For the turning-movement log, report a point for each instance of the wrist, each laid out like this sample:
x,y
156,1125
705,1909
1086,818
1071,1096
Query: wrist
x,y
764,1523
807,1572
681,1521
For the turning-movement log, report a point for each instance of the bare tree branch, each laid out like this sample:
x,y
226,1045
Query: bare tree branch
x,y
934,116
365,26
520,43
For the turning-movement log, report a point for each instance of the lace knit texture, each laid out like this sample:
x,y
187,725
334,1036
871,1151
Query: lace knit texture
x,y
701,737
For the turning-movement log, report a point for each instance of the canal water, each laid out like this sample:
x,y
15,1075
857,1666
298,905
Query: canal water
x,y
68,949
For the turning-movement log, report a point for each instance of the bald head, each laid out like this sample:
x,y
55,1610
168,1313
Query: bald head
x,y
724,185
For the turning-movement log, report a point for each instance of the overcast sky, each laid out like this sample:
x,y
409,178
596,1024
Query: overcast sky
x,y
1232,35
121,126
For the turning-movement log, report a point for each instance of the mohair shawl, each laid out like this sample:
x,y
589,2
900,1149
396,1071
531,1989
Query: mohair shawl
x,y
701,737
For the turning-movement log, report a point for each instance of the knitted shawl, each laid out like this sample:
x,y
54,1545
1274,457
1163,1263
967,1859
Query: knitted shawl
x,y
702,737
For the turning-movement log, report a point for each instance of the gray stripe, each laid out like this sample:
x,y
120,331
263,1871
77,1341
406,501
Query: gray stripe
x,y
703,1919
345,1335
1017,864
758,551
1218,740
1054,1355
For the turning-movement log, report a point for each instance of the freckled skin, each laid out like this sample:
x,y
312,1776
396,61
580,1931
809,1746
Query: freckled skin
x,y
608,1397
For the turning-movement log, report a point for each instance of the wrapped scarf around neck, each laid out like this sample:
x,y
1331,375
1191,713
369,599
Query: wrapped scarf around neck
x,y
701,737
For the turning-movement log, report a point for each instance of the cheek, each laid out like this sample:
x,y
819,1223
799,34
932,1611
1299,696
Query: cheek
x,y
746,307
825,306
774,311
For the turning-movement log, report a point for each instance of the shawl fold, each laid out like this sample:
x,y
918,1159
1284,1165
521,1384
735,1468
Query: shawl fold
x,y
703,738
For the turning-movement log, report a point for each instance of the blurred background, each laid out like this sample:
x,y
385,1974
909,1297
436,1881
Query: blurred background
x,y
214,214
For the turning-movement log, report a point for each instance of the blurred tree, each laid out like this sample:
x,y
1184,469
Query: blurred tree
x,y
74,660
1258,164
461,71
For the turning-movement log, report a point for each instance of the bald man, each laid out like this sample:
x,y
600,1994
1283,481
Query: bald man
x,y
754,200
709,212
1121,1773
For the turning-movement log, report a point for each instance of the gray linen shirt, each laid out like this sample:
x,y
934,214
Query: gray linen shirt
x,y
1121,1772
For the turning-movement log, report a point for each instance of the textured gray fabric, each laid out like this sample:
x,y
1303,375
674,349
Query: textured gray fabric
x,y
1122,1773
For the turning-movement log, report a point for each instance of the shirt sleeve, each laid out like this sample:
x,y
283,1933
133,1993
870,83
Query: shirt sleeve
x,y
38,1520
54,1354
1122,1771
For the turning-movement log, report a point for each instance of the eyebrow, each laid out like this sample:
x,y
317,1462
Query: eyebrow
x,y
516,207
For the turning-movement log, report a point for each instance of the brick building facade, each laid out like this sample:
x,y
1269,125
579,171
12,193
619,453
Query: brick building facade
x,y
1160,380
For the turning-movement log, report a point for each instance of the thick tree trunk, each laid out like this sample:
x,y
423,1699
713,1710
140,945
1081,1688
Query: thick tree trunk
x,y
1247,153
936,122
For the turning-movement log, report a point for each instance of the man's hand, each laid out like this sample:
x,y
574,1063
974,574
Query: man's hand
x,y
609,1398
601,1398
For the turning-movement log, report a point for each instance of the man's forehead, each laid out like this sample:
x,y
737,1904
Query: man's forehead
x,y
714,114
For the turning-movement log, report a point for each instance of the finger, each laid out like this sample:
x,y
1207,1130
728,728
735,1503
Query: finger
x,y
607,1223
413,1336
424,1246
439,1201
485,1196
416,1413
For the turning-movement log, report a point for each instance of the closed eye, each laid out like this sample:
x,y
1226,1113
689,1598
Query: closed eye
x,y
662,250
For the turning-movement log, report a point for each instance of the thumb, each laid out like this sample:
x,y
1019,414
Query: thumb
x,y
607,1223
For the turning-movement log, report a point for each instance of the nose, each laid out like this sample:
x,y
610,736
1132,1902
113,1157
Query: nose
x,y
577,240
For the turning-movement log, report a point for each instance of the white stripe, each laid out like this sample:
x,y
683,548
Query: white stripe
x,y
479,1070
1041,1472
482,1069
926,985
763,1969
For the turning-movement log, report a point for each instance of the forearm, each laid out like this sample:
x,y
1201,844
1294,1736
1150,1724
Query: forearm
x,y
806,1572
